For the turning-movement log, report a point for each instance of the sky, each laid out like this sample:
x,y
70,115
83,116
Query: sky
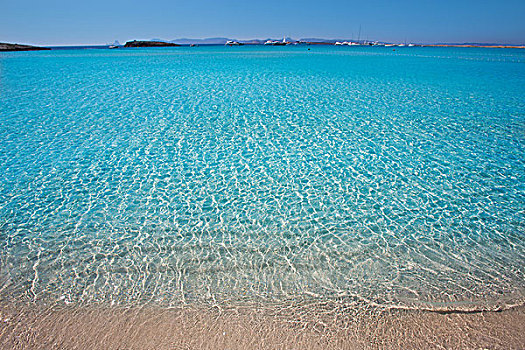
x,y
93,22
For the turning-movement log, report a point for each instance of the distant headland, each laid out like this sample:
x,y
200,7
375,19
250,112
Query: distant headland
x,y
20,47
136,43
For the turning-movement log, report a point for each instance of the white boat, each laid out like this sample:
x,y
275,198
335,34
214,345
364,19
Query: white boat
x,y
232,43
277,42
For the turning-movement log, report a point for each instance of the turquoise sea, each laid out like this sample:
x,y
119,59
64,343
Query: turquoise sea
x,y
238,174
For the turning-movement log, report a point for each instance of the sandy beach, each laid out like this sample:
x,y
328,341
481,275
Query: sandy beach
x,y
319,326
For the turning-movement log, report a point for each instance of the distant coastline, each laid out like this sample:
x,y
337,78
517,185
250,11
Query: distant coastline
x,y
20,47
320,41
252,42
475,45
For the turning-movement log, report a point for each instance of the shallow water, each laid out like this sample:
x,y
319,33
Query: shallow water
x,y
234,174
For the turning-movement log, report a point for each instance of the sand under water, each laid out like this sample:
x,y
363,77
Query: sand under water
x,y
313,326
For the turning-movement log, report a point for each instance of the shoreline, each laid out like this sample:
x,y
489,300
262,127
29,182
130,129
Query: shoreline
x,y
257,326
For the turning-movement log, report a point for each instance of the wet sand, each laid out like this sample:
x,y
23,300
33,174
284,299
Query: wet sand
x,y
319,326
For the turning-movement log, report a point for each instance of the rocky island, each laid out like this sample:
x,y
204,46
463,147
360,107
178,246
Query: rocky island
x,y
136,43
20,47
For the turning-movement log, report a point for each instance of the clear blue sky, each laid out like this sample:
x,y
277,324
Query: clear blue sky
x,y
61,22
